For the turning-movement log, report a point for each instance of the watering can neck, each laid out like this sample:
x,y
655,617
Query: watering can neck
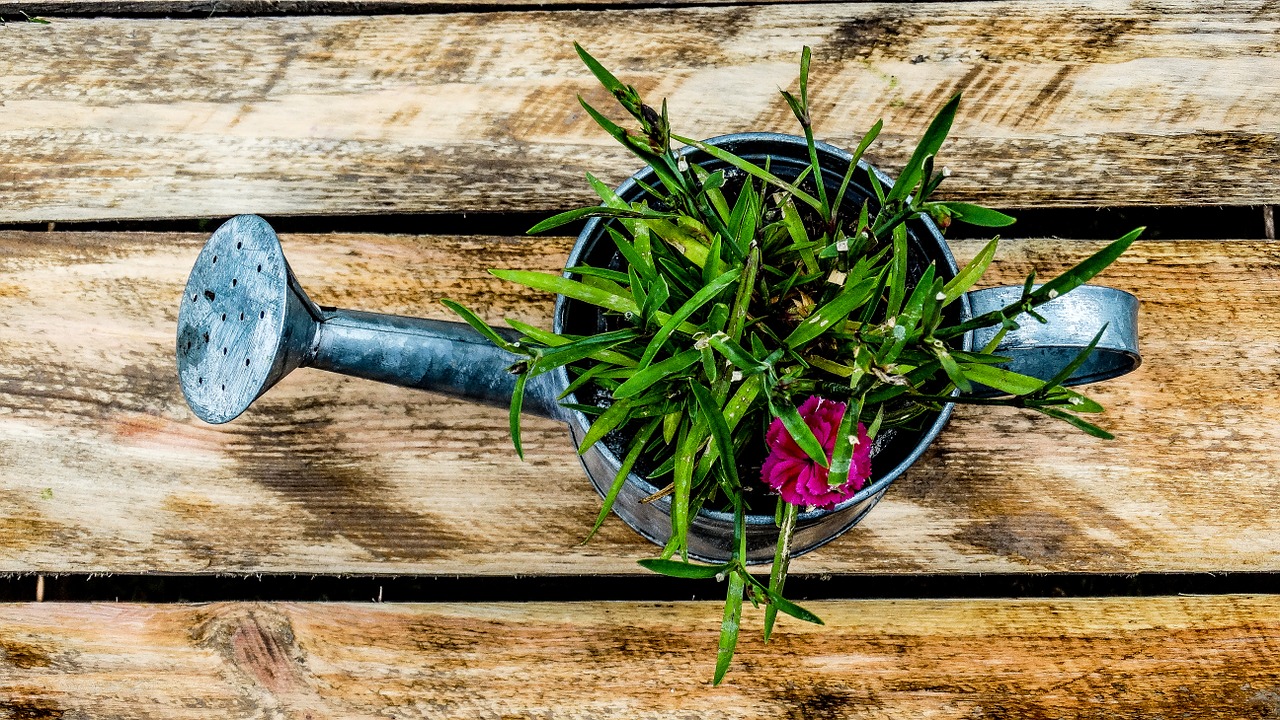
x,y
440,356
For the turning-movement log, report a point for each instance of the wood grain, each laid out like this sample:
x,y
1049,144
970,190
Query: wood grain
x,y
103,469
1162,657
1068,103
206,8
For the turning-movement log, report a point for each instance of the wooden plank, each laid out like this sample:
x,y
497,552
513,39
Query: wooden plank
x,y
1068,103
103,469
206,8
1186,657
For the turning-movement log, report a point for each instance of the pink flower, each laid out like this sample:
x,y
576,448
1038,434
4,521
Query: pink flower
x,y
800,480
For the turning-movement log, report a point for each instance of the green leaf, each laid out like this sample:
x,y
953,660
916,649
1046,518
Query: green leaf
x,y
736,354
608,420
971,273
1072,400
1080,423
1085,271
1001,379
867,139
952,369
1080,358
781,560
832,314
546,337
635,260
576,350
656,372
481,326
700,298
517,400
876,186
675,568
752,169
898,276
719,430
929,145
569,288
659,291
784,604
791,608
978,215
846,440
729,625
565,218
800,432
682,483
582,379
605,77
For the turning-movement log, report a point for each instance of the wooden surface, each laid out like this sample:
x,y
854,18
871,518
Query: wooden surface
x,y
104,469
347,109
1112,659
1068,103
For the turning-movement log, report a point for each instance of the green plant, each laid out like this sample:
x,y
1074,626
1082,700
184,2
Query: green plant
x,y
743,294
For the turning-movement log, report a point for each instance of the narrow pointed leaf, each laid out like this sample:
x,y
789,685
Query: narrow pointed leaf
x,y
978,215
569,288
1075,363
729,626
1085,271
752,169
1001,379
971,273
565,218
675,568
1080,423
719,430
801,433
481,326
656,372
695,303
608,420
605,77
930,142
517,400
781,560
832,314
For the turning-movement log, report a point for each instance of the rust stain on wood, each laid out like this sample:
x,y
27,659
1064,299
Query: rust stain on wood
x,y
34,708
23,656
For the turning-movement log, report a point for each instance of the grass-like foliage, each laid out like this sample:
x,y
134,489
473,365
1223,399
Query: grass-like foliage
x,y
745,293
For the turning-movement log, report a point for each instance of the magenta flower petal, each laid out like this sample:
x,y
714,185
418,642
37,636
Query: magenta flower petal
x,y
795,476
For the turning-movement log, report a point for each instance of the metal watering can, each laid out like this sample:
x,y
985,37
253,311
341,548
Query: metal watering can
x,y
245,322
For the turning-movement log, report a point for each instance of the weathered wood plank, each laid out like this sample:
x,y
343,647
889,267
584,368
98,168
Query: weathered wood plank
x,y
38,8
103,469
1068,103
1186,657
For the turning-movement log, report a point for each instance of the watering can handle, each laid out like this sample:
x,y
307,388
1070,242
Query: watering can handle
x,y
1042,349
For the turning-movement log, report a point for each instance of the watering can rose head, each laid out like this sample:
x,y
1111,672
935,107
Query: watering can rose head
x,y
739,325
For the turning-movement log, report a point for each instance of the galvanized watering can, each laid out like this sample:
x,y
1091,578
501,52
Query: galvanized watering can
x,y
245,322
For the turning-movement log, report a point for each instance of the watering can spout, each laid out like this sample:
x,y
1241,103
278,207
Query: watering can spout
x,y
245,323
